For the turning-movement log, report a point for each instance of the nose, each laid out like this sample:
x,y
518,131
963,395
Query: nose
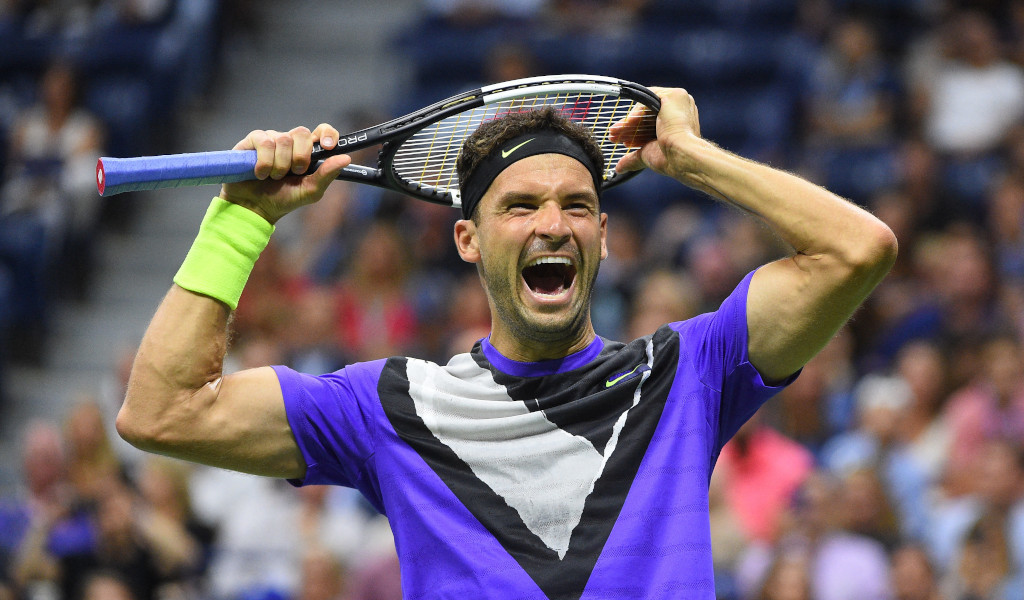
x,y
552,226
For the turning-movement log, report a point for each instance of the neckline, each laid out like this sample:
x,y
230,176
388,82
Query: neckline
x,y
541,367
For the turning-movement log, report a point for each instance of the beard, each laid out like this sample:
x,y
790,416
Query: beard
x,y
505,289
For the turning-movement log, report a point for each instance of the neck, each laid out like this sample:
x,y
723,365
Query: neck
x,y
532,349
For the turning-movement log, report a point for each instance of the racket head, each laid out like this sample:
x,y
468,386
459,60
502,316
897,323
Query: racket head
x,y
421,162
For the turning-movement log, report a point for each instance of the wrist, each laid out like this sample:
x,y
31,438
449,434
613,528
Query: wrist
x,y
249,202
230,240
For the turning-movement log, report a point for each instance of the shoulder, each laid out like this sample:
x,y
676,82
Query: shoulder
x,y
357,379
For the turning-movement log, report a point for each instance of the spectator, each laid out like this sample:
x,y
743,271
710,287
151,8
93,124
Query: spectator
x,y
728,532
468,316
867,509
167,514
842,565
913,575
788,578
922,428
662,296
48,204
851,110
989,408
323,577
951,299
92,463
374,319
853,98
976,94
120,546
875,444
968,104
115,539
310,342
322,242
762,471
986,526
984,569
44,497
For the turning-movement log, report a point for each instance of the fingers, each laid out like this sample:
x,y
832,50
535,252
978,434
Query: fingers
x,y
327,135
630,162
279,154
636,129
678,109
283,157
329,169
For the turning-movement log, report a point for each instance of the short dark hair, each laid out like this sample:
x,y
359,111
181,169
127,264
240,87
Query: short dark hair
x,y
492,134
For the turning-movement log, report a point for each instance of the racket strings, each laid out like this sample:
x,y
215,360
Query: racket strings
x,y
428,157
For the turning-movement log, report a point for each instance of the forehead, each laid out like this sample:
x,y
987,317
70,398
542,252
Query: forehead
x,y
542,174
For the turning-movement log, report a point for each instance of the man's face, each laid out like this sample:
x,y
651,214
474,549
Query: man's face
x,y
538,240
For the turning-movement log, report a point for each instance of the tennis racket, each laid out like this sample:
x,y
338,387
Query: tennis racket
x,y
418,151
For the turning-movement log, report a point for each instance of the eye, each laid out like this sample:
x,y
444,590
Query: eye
x,y
579,208
520,207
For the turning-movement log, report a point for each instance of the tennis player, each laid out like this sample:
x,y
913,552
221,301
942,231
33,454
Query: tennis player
x,y
545,462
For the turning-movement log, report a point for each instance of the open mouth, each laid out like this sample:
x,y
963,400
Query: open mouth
x,y
549,275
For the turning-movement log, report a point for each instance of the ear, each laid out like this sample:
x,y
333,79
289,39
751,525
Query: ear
x,y
604,236
466,242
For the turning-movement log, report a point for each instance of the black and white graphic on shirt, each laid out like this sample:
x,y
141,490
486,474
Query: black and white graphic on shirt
x,y
544,463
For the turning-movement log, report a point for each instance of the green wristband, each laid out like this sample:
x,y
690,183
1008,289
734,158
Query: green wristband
x,y
230,240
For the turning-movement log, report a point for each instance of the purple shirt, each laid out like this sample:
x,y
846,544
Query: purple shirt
x,y
583,477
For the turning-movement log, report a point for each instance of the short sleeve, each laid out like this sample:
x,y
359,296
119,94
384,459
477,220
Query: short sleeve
x,y
718,346
331,417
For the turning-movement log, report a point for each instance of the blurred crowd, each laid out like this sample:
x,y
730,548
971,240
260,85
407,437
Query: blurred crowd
x,y
80,79
893,468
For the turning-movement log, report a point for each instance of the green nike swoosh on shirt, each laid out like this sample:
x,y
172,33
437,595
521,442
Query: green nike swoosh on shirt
x,y
615,380
506,153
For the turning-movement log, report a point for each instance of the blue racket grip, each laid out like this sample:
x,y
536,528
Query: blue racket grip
x,y
118,175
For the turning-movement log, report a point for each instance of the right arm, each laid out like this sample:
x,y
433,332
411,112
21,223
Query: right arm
x,y
179,402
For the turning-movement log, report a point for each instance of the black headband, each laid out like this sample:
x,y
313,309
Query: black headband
x,y
545,141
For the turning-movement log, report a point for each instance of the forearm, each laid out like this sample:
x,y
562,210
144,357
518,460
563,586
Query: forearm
x,y
841,252
176,376
181,356
796,304
178,403
812,220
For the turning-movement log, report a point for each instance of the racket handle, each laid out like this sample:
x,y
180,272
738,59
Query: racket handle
x,y
118,175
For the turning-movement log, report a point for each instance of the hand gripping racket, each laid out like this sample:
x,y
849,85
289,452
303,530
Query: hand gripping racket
x,y
418,151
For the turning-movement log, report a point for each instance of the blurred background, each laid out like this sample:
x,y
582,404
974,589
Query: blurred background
x,y
892,468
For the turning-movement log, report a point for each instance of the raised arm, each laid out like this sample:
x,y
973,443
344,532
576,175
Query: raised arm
x,y
796,304
179,403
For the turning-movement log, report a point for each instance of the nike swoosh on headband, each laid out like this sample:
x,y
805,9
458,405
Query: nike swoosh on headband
x,y
507,153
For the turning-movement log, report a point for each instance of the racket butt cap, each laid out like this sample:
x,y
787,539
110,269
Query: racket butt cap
x,y
101,177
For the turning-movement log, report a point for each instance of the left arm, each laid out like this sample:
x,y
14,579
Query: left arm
x,y
795,305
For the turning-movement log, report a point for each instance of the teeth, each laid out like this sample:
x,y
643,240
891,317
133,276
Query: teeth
x,y
550,260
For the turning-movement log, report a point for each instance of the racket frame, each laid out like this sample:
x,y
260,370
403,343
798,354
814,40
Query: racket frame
x,y
391,134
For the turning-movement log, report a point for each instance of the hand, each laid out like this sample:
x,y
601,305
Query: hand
x,y
281,158
676,148
677,125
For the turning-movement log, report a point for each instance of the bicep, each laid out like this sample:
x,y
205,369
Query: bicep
x,y
242,425
795,306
